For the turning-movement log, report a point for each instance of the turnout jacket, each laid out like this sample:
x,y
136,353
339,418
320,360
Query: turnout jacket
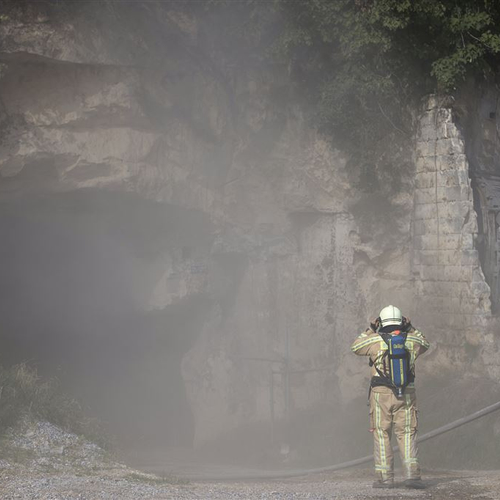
x,y
371,344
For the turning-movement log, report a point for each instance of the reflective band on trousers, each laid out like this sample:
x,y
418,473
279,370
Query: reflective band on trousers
x,y
380,432
407,428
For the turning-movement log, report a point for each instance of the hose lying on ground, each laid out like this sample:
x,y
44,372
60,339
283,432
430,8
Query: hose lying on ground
x,y
345,465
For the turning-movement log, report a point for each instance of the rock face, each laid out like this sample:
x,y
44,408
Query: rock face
x,y
264,222
451,293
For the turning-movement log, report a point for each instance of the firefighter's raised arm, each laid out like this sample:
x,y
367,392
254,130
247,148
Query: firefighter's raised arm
x,y
416,337
420,343
361,346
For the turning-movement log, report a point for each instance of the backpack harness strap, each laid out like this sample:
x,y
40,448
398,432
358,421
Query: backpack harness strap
x,y
396,382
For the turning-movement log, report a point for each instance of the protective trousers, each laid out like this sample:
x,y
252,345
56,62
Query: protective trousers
x,y
388,412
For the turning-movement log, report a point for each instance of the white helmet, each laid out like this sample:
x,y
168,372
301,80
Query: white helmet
x,y
390,315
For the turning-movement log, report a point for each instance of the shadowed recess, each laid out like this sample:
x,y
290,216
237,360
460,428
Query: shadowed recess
x,y
78,270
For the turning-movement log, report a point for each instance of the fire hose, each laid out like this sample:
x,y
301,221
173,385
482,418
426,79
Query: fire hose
x,y
345,465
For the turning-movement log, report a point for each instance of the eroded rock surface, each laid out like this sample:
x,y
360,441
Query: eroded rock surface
x,y
288,261
452,294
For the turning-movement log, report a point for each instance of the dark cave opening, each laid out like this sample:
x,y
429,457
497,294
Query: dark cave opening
x,y
77,270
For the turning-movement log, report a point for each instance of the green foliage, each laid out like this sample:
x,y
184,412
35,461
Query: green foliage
x,y
444,38
24,393
364,64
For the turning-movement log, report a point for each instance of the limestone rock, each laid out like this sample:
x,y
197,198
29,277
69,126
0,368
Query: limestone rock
x,y
272,232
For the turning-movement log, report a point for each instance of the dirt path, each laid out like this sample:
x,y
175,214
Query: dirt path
x,y
123,484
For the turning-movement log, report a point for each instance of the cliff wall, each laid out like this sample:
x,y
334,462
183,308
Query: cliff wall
x,y
247,209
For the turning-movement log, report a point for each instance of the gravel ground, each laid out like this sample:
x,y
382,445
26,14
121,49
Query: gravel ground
x,y
38,461
16,484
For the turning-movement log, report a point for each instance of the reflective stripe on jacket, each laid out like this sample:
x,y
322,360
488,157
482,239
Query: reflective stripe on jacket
x,y
371,344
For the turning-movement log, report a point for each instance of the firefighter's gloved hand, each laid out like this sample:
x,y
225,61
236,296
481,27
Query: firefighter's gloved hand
x,y
375,324
406,325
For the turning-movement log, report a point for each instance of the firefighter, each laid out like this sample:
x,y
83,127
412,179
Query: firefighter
x,y
393,345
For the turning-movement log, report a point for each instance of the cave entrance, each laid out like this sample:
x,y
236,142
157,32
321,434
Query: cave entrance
x,y
77,274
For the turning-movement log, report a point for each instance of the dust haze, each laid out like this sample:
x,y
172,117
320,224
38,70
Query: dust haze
x,y
197,259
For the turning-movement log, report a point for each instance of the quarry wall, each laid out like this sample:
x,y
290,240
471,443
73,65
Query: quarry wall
x,y
265,222
451,292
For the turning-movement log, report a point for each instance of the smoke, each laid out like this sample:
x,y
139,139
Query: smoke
x,y
111,292
77,272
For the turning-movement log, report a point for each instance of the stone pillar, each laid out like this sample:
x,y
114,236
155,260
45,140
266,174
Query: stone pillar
x,y
453,298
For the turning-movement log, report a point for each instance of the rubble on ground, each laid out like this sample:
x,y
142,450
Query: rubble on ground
x,y
40,461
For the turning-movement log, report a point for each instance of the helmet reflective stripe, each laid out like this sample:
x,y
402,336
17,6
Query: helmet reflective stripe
x,y
390,315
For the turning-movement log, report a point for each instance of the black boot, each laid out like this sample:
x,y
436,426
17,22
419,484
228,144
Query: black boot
x,y
383,484
415,484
